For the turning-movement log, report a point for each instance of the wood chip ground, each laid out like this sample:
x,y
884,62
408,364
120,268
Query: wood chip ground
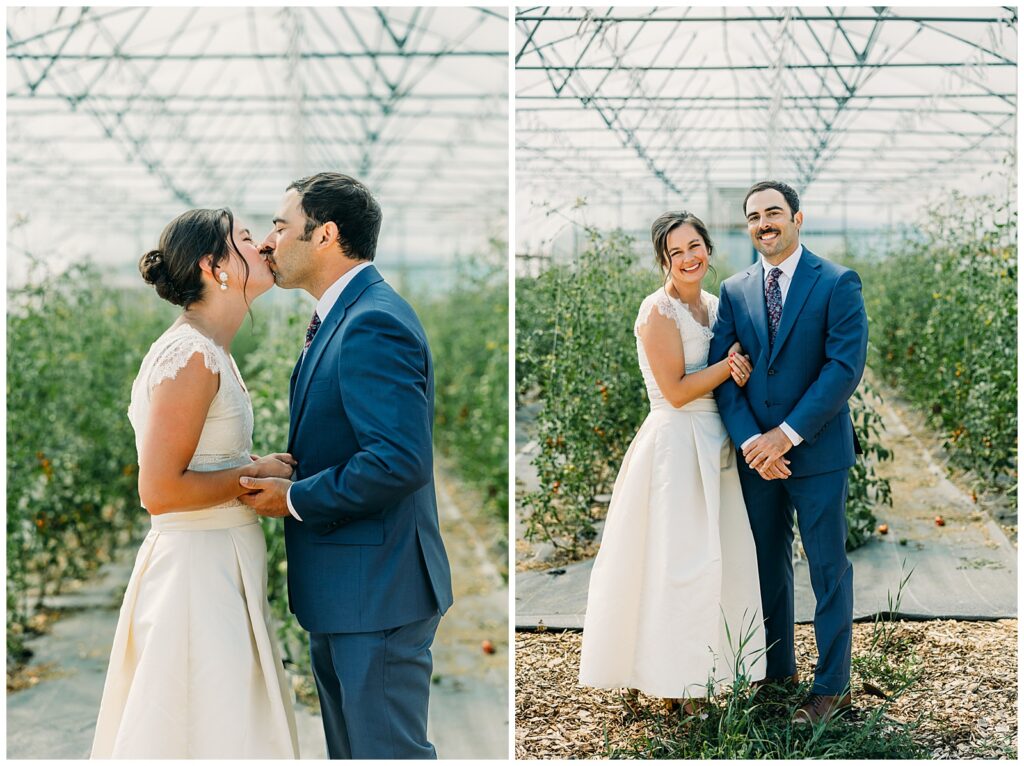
x,y
966,696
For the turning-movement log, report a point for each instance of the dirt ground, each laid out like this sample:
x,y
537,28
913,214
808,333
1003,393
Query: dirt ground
x,y
908,435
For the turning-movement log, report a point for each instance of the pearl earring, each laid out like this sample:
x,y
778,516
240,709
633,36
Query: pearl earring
x,y
223,280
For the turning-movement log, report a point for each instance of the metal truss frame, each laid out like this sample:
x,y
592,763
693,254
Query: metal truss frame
x,y
110,105
864,106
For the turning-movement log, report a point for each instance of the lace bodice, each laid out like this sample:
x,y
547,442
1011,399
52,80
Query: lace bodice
x,y
695,336
226,439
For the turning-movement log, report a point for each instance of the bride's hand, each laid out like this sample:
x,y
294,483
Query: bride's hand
x,y
740,368
735,348
280,465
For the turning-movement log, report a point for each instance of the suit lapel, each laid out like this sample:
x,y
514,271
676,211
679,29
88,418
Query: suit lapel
x,y
807,272
322,339
753,296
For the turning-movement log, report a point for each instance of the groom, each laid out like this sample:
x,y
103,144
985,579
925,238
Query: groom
x,y
802,320
368,576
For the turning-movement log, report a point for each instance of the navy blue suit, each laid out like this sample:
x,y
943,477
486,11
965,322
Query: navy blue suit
x,y
805,379
368,575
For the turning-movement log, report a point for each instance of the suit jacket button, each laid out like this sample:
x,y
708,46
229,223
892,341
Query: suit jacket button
x,y
771,372
767,403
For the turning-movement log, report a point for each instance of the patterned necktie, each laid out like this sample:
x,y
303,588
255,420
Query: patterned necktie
x,y
773,297
314,325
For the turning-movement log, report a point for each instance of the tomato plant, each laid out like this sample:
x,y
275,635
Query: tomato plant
x,y
943,310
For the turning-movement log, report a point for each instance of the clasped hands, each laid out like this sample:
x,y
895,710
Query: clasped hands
x,y
268,479
765,453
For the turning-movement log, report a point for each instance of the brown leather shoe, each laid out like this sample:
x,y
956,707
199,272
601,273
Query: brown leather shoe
x,y
822,706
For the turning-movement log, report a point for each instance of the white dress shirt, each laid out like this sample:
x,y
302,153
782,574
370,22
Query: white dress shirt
x,y
323,308
788,269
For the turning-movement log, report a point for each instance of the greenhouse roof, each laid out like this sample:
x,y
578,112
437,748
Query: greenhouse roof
x,y
861,109
120,118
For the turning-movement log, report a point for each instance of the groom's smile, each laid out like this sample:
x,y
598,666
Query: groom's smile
x,y
774,228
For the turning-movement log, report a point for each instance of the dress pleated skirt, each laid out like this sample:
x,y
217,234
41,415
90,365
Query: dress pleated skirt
x,y
195,671
674,603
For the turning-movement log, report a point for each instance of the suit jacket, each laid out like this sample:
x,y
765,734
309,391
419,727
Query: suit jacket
x,y
808,376
368,553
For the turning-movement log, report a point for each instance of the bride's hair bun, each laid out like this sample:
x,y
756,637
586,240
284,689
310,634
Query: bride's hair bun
x,y
152,267
154,270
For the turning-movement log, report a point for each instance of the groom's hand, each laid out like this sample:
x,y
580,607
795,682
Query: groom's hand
x,y
777,470
269,497
767,449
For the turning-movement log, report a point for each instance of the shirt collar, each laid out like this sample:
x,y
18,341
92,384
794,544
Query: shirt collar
x,y
788,266
332,293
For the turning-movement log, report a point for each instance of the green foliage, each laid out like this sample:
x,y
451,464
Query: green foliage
x,y
868,490
943,310
468,331
576,354
739,725
74,347
878,666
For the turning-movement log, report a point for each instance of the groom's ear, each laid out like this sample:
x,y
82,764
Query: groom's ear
x,y
330,235
799,218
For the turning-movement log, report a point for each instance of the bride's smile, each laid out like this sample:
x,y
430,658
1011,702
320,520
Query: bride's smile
x,y
687,254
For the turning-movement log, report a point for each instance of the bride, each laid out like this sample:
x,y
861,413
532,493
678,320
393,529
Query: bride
x,y
674,605
195,671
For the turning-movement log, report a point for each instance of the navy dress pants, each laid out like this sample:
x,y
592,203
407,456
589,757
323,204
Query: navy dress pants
x,y
374,688
820,506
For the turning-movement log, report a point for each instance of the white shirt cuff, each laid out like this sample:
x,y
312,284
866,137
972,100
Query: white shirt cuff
x,y
793,435
749,441
291,508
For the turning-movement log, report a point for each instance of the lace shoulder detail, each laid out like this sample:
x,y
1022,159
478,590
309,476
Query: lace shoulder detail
x,y
661,301
174,350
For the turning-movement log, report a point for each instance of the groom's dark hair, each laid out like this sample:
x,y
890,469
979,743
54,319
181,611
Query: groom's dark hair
x,y
345,201
787,191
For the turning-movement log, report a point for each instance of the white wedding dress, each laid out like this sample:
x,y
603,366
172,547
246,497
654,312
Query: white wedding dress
x,y
674,587
195,670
